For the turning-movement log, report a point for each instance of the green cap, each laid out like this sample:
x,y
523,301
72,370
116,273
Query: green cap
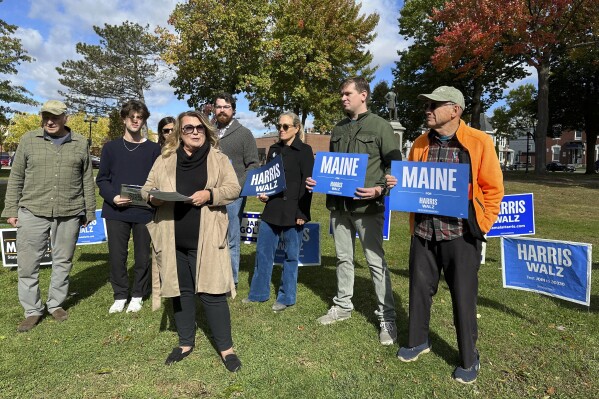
x,y
445,93
54,107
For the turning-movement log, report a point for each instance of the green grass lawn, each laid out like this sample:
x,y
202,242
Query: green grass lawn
x,y
531,346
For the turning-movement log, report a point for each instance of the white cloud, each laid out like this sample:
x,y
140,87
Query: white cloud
x,y
388,41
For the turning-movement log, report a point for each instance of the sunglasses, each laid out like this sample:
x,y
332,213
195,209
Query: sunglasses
x,y
189,129
284,126
167,131
434,105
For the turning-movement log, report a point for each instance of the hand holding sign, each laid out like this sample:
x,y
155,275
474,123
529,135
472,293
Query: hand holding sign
x,y
339,174
268,180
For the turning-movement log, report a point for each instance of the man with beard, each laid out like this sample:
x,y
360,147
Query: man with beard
x,y
238,143
50,193
127,161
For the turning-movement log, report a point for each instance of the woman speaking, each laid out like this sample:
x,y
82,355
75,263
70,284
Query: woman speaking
x,y
197,263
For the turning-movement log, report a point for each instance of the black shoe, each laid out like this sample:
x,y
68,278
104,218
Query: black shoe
x,y
177,355
232,363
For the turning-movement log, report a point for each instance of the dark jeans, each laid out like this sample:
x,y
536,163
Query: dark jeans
x,y
459,259
118,249
215,307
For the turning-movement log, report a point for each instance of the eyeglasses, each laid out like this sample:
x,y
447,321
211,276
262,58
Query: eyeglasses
x,y
167,131
434,105
227,107
284,126
136,117
189,129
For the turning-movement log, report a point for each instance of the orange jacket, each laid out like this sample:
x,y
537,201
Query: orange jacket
x,y
486,190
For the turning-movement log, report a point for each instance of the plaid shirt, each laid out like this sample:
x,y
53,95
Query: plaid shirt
x,y
50,180
440,227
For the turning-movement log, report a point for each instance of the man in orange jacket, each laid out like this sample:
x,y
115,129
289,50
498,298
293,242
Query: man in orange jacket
x,y
449,244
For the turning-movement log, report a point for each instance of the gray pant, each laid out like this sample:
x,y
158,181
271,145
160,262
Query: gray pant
x,y
345,226
32,241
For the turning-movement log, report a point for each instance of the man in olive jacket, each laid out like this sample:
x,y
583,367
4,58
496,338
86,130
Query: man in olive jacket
x,y
364,133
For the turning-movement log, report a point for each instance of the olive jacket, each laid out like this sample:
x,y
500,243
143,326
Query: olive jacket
x,y
213,268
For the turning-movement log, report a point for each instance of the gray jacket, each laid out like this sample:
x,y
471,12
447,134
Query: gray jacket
x,y
239,145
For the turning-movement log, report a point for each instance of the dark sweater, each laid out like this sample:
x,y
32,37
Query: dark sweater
x,y
121,166
192,175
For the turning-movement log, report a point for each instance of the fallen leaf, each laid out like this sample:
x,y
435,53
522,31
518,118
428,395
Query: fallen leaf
x,y
300,328
550,391
104,371
478,316
561,328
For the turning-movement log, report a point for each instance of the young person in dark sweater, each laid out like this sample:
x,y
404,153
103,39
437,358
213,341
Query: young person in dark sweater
x,y
127,160
196,264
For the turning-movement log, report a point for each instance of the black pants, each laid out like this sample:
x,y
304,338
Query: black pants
x,y
118,248
215,307
459,259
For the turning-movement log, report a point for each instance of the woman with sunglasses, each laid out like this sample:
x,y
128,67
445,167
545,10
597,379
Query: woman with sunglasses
x,y
198,265
165,128
284,216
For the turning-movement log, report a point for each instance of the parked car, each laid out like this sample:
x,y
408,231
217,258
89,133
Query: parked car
x,y
95,161
558,166
5,159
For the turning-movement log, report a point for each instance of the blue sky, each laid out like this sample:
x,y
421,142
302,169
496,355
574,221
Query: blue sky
x,y
49,31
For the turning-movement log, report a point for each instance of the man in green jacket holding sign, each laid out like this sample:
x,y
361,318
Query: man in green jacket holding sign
x,y
362,132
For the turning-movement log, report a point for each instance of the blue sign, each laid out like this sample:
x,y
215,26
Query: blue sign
x,y
338,173
555,268
436,188
516,216
268,179
309,254
94,232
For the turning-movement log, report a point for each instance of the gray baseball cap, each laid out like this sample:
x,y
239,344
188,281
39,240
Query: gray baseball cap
x,y
445,93
54,107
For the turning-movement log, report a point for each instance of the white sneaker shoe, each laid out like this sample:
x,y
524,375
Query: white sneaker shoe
x,y
134,305
118,306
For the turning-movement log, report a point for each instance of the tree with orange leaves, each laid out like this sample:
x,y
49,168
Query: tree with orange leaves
x,y
535,30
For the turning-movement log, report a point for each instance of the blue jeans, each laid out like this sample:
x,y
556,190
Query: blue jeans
x,y
235,212
268,241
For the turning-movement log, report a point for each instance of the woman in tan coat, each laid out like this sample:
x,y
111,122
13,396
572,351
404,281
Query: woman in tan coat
x,y
189,238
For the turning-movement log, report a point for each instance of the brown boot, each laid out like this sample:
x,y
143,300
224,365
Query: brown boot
x,y
29,323
60,314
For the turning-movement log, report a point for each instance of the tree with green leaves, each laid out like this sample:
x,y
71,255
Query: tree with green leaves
x,y
285,54
573,105
12,54
518,115
123,66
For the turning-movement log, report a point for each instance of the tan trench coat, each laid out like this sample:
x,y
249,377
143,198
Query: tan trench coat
x,y
213,268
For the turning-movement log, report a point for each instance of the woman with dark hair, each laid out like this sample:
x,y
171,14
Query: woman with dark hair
x,y
284,216
165,128
198,265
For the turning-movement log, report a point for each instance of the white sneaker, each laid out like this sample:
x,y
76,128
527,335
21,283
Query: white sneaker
x,y
118,306
388,333
134,305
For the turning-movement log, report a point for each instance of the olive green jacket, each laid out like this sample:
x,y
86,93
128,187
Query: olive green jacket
x,y
369,134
